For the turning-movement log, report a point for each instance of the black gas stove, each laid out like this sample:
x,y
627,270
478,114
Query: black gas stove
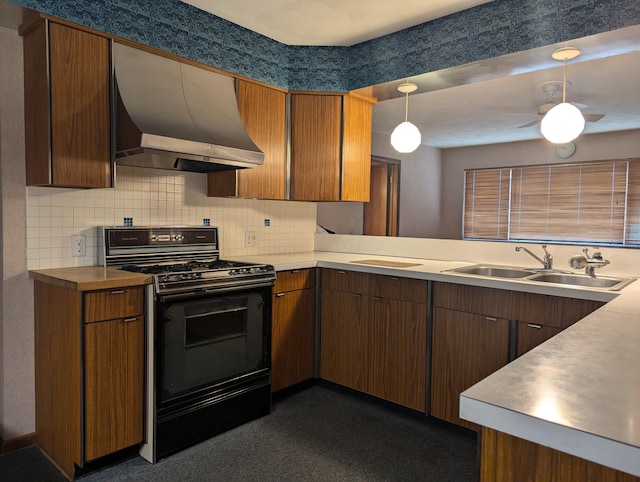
x,y
208,333
180,258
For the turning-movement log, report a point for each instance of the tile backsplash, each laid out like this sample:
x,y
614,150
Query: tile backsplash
x,y
148,197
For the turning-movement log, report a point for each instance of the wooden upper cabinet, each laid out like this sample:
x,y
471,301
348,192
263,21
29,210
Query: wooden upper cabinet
x,y
67,82
330,147
263,111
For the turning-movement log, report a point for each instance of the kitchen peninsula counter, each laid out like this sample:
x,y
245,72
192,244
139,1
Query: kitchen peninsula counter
x,y
577,393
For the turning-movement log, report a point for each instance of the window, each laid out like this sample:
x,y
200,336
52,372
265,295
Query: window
x,y
590,202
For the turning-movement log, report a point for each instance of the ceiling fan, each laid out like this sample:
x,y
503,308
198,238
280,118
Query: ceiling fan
x,y
552,88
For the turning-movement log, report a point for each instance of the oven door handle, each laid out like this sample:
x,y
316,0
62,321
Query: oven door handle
x,y
216,290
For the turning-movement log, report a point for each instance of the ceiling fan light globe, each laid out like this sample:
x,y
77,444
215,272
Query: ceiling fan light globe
x,y
406,137
562,124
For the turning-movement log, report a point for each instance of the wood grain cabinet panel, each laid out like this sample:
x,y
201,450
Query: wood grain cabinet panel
x,y
550,310
293,328
531,335
466,348
397,352
505,458
375,344
89,373
473,299
330,147
342,280
344,338
114,380
316,123
67,107
112,304
263,112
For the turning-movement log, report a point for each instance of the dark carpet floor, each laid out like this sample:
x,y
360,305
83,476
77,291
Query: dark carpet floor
x,y
315,435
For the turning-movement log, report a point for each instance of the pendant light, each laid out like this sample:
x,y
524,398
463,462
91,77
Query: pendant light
x,y
406,137
564,122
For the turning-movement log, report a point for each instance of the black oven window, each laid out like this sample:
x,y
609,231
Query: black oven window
x,y
215,326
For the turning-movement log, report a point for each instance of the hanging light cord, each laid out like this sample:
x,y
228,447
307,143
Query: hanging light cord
x,y
564,83
406,106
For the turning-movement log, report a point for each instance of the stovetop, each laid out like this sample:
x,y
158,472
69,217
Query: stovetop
x,y
180,259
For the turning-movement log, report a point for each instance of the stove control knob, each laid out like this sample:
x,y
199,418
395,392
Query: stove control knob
x,y
178,237
154,237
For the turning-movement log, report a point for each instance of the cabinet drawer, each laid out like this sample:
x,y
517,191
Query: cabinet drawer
x,y
296,279
342,280
113,304
397,288
550,310
473,299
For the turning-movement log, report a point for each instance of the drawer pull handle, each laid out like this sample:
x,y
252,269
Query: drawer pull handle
x,y
117,292
295,271
393,278
492,318
278,295
532,325
377,298
129,320
342,272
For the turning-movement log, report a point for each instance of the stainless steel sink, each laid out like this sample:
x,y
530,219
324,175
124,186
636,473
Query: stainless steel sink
x,y
583,280
563,278
494,271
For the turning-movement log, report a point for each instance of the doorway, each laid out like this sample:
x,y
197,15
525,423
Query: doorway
x,y
381,212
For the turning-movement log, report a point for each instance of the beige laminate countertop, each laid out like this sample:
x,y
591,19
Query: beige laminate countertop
x,y
579,392
89,278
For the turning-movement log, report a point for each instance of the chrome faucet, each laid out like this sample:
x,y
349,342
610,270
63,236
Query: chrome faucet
x,y
580,261
547,262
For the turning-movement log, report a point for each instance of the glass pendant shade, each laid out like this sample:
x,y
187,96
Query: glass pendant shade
x,y
406,137
562,124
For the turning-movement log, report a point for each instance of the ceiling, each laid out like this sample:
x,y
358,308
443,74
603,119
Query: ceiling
x,y
330,22
480,103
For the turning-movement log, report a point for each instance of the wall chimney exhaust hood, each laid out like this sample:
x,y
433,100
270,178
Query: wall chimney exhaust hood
x,y
175,116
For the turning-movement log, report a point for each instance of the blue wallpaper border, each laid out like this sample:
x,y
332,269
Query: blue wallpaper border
x,y
489,30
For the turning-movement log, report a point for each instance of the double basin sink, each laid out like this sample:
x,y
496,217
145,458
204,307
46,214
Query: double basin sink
x,y
544,276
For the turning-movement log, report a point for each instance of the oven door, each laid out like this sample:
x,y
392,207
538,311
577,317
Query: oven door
x,y
207,341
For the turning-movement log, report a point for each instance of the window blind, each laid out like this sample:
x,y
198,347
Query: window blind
x,y
591,202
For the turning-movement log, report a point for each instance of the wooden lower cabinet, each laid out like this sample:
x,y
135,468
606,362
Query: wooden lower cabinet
x,y
397,352
373,335
531,335
505,458
114,376
89,366
466,348
344,338
293,328
471,335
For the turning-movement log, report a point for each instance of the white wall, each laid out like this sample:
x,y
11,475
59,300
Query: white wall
x,y
420,173
16,312
342,217
616,145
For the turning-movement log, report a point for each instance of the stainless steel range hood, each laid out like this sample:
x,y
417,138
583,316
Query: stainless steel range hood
x,y
176,116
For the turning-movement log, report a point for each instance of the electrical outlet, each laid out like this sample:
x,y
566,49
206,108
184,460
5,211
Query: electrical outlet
x,y
249,238
79,245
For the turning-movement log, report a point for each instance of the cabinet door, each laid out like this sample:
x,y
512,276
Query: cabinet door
x,y
465,349
343,339
113,385
316,128
80,108
531,335
293,334
356,149
397,351
263,112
